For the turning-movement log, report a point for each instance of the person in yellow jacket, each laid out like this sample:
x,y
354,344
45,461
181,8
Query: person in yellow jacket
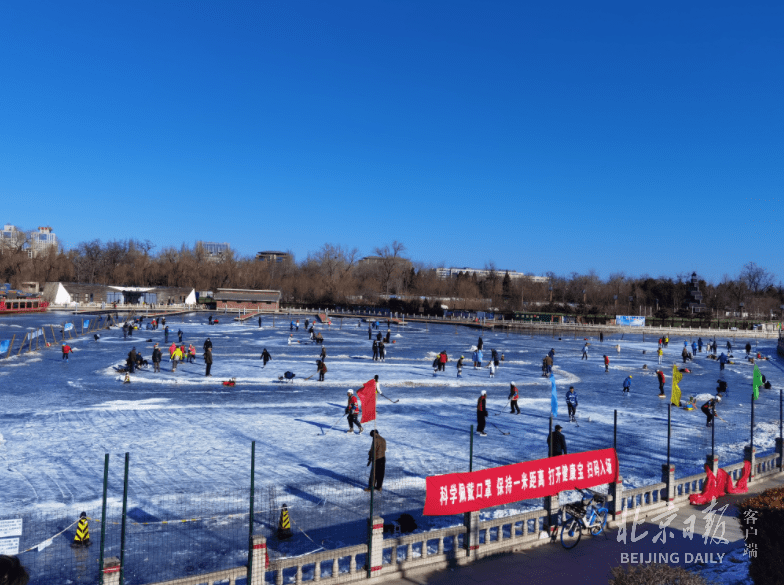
x,y
176,356
660,353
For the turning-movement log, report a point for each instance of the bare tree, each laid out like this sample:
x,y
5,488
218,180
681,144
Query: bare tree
x,y
389,262
756,278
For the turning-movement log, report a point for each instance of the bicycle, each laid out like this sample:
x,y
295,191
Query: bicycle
x,y
589,513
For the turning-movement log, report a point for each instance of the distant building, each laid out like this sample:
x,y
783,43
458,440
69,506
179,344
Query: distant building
x,y
215,250
12,239
273,256
484,273
695,303
44,239
248,299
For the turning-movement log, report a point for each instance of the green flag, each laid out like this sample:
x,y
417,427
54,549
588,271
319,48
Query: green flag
x,y
757,382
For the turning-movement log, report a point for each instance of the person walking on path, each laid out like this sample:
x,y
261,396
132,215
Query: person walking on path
x,y
514,396
607,363
207,360
460,367
157,355
627,384
556,442
571,403
265,357
709,410
660,353
662,381
66,351
352,410
723,359
585,352
481,413
321,368
377,471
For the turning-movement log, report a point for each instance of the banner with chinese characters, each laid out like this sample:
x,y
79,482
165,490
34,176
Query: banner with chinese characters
x,y
630,320
456,493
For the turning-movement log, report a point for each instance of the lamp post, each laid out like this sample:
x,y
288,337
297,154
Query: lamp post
x,y
584,296
551,293
631,299
615,303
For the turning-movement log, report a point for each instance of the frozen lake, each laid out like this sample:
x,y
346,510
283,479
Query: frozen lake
x,y
188,433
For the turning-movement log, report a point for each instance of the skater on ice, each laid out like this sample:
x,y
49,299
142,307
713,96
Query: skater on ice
x,y
481,413
514,396
662,380
571,403
709,410
265,357
352,410
627,384
379,446
460,367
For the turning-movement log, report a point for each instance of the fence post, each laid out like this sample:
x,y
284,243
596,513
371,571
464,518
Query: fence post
x,y
259,561
471,452
668,477
471,541
110,573
780,439
251,547
616,493
375,554
124,516
103,514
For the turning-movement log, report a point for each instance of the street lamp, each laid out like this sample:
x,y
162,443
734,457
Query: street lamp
x,y
741,305
615,303
631,299
657,305
551,293
584,296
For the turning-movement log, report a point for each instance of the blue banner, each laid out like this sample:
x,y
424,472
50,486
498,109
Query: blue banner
x,y
86,324
553,397
68,327
4,345
630,320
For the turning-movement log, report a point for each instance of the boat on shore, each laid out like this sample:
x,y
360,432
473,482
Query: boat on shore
x,y
22,305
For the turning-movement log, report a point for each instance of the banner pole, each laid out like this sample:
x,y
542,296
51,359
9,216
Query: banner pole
x,y
252,493
103,515
124,516
471,451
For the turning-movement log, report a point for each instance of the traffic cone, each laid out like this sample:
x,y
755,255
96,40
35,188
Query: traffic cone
x,y
284,526
82,538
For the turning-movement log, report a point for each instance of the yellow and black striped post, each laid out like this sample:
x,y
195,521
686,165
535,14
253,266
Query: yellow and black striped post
x,y
284,526
82,537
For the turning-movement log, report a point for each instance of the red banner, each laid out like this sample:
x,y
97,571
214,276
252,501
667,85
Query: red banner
x,y
367,394
456,493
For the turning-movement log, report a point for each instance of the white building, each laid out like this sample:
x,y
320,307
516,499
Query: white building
x,y
483,273
12,238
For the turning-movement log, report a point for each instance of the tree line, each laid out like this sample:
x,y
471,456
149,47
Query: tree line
x,y
334,275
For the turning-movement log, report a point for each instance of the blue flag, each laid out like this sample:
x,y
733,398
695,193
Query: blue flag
x,y
553,398
4,345
86,324
68,327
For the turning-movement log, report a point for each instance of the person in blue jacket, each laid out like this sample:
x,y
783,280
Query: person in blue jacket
x,y
694,348
571,403
479,356
722,360
627,384
699,344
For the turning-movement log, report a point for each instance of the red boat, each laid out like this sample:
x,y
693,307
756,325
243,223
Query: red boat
x,y
22,305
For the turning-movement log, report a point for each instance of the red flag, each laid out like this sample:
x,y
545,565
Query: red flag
x,y
367,394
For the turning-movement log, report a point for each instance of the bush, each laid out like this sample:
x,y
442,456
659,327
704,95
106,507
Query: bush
x,y
761,518
654,574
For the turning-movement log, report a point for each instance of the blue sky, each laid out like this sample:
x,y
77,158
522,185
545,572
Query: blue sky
x,y
541,136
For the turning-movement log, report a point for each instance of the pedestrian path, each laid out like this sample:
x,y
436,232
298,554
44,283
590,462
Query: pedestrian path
x,y
590,562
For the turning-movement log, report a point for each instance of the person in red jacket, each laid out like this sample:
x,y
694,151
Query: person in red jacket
x,y
66,351
513,396
662,380
352,410
606,363
442,359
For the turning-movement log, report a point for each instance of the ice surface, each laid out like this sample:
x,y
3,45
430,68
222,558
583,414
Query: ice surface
x,y
187,433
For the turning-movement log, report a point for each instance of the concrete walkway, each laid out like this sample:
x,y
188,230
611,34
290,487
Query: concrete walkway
x,y
590,561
